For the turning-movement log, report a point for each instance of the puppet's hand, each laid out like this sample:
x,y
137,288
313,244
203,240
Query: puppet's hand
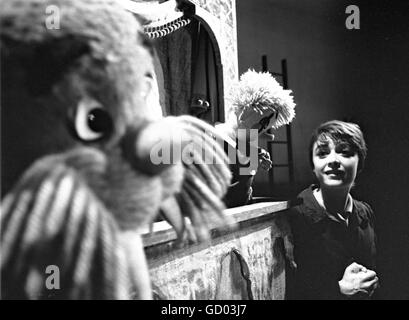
x,y
264,159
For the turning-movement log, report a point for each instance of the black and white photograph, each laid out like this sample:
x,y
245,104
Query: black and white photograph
x,y
209,151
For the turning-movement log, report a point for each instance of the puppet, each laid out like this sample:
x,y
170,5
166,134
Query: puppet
x,y
259,104
78,180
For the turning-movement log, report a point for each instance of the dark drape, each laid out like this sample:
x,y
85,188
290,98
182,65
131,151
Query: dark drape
x,y
175,51
189,67
205,93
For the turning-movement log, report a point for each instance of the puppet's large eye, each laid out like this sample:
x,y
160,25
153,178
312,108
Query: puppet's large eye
x,y
92,122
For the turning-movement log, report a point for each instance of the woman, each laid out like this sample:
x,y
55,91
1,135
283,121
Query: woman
x,y
334,238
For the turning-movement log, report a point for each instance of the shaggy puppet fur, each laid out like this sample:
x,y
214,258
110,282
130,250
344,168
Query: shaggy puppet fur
x,y
77,180
260,93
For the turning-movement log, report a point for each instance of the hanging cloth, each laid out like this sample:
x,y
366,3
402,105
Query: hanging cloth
x,y
204,103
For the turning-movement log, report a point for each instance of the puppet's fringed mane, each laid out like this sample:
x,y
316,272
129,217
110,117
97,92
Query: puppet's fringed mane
x,y
261,92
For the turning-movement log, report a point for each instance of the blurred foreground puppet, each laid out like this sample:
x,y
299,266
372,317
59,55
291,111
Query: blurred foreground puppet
x,y
78,178
259,103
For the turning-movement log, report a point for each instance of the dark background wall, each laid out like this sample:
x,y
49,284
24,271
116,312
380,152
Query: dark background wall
x,y
357,75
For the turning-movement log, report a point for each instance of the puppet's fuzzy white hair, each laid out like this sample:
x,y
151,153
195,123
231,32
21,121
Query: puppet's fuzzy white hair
x,y
261,92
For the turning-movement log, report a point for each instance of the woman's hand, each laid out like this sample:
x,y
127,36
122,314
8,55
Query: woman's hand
x,y
358,281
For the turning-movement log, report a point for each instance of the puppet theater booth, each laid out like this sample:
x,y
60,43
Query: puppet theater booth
x,y
196,63
195,54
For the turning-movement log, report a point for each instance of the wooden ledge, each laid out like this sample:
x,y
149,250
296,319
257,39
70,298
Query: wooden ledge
x,y
162,232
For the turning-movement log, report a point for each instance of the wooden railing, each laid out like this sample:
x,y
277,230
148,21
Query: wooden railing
x,y
243,262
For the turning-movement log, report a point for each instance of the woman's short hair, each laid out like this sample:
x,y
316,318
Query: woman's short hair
x,y
340,131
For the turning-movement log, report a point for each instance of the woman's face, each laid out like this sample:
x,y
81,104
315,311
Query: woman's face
x,y
335,164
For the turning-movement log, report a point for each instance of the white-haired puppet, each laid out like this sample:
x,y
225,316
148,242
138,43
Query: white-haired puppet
x,y
78,180
259,103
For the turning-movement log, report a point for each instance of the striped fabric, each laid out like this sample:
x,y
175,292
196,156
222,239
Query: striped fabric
x,y
164,30
51,218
